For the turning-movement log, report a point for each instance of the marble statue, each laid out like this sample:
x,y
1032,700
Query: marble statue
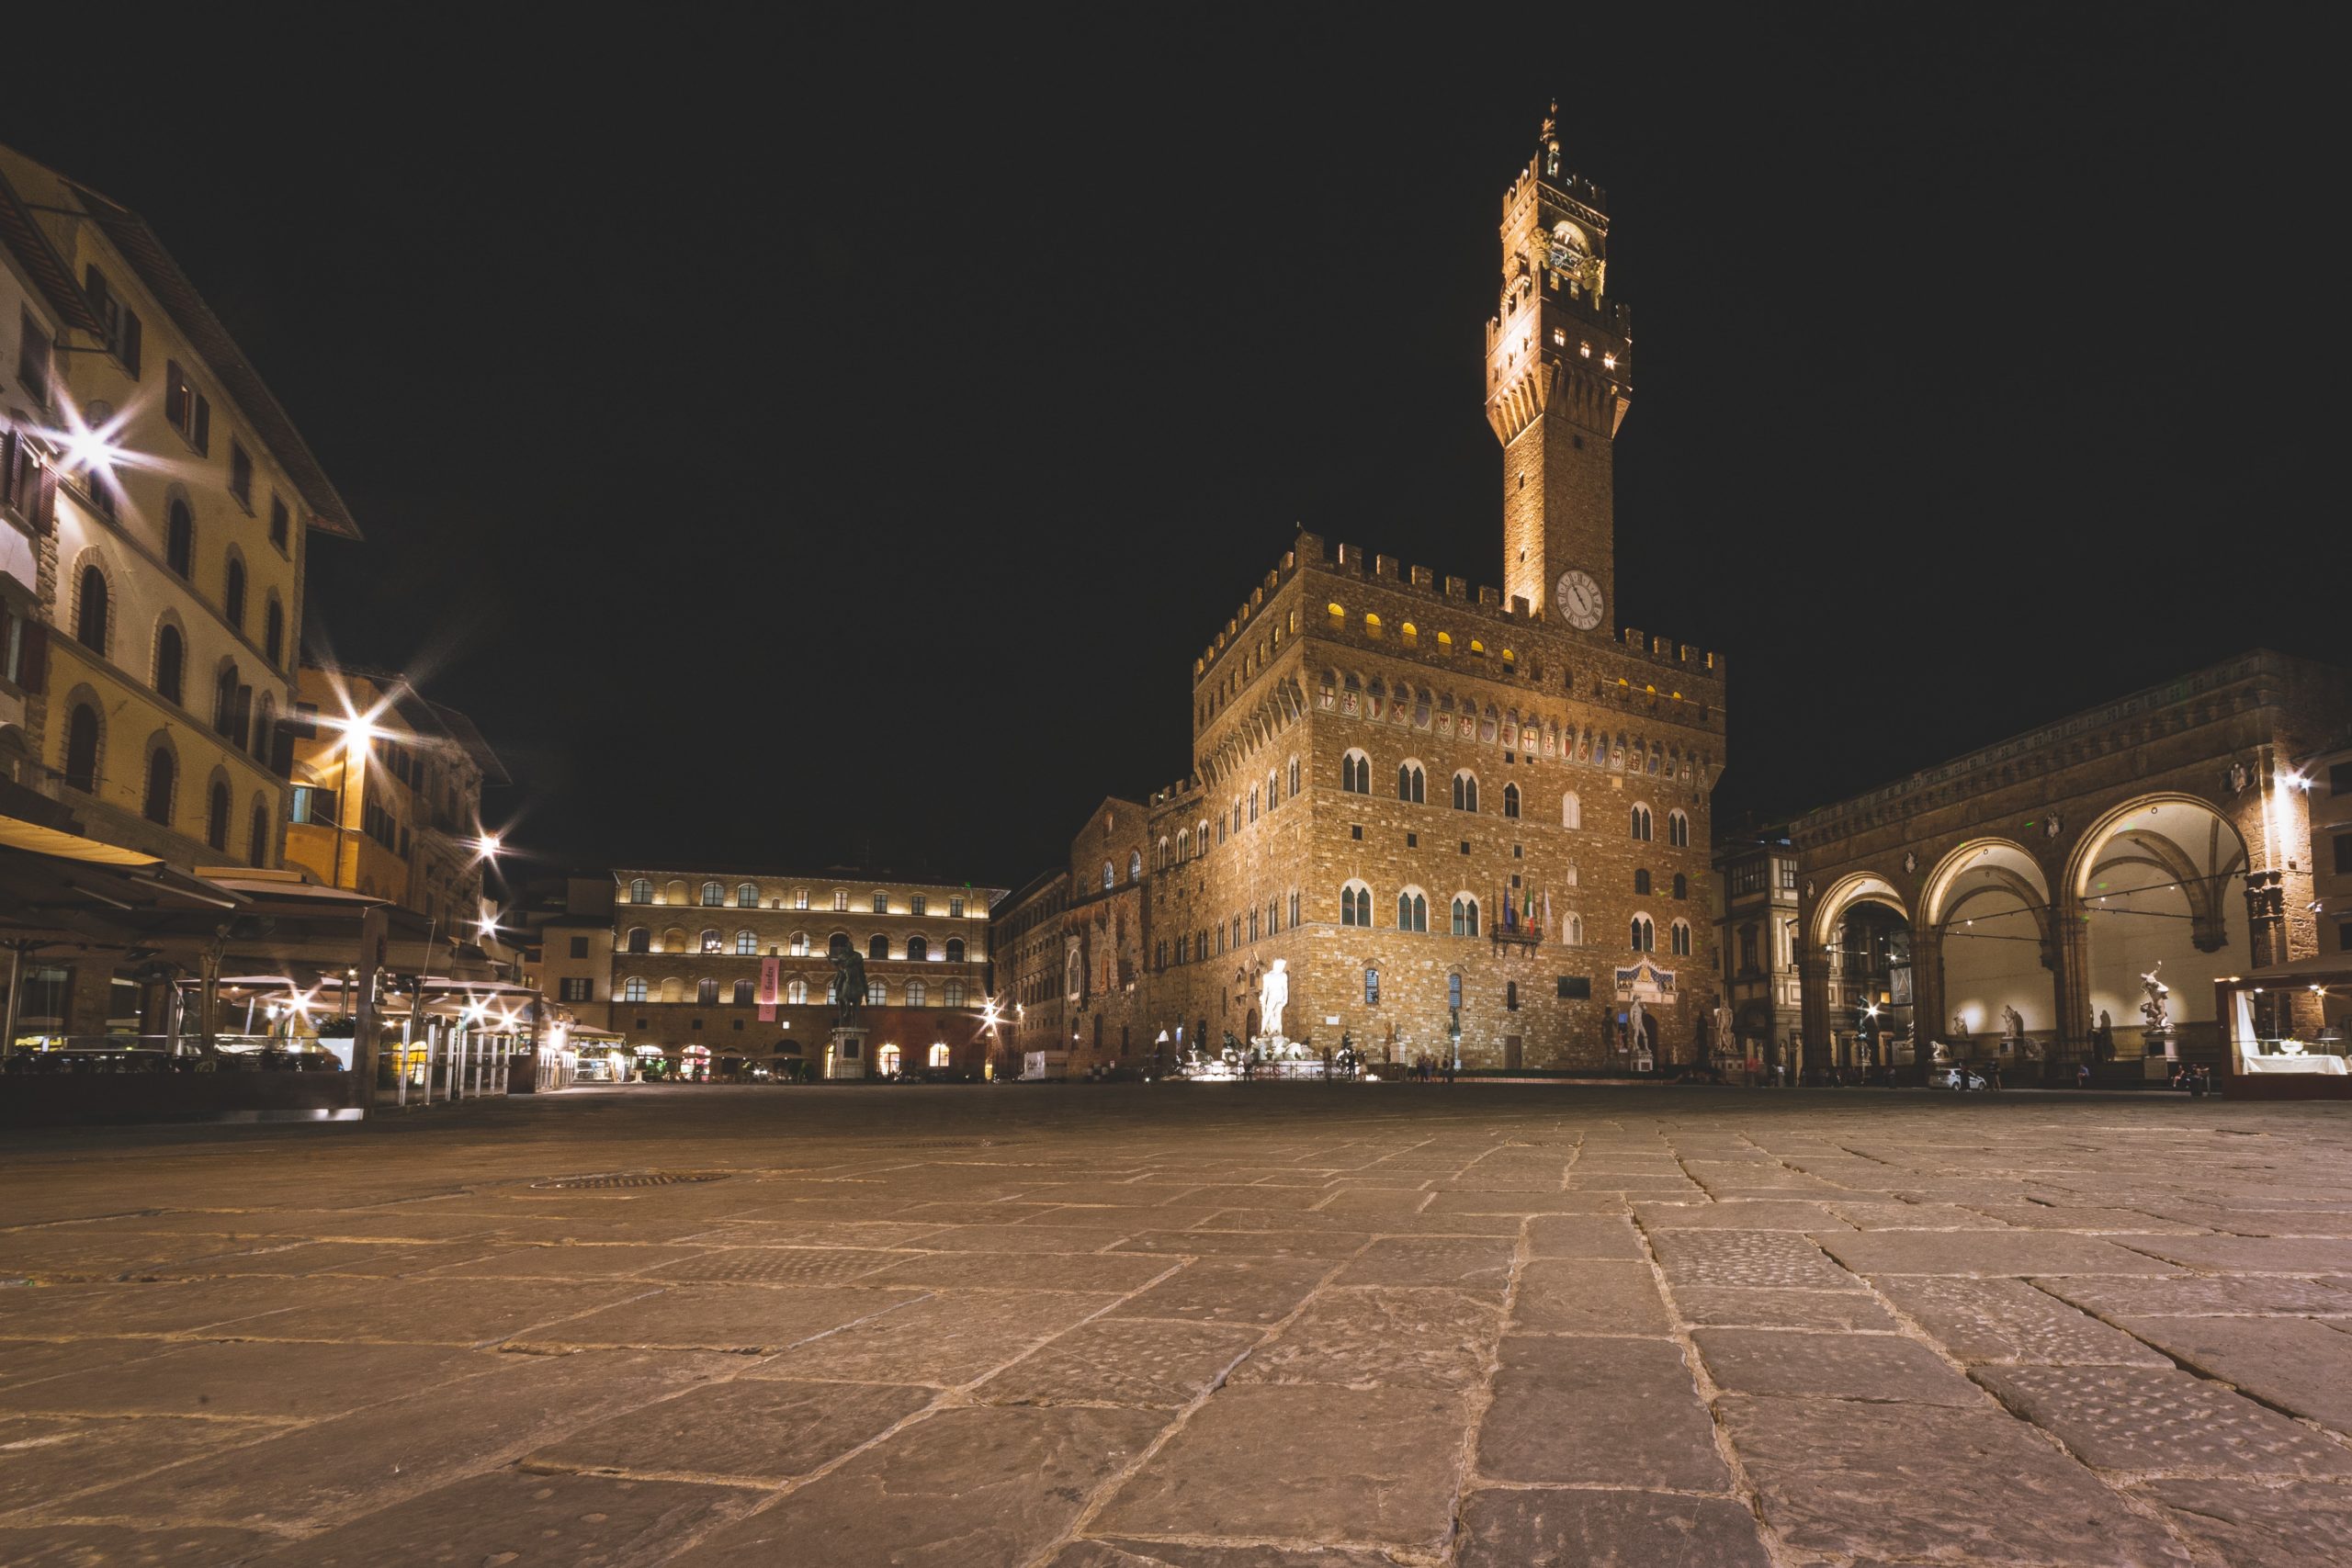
x,y
1274,996
2012,1023
1960,1023
2104,1033
1635,1019
1723,1041
2158,1016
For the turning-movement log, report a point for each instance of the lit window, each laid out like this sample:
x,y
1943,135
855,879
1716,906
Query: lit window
x,y
881,903
799,944
746,944
747,895
633,989
713,895
915,993
795,992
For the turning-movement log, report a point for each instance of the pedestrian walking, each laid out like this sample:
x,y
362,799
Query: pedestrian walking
x,y
2081,1074
1993,1077
1450,1066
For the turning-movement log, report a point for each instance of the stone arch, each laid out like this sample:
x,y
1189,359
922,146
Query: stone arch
x,y
1855,887
1987,930
2148,889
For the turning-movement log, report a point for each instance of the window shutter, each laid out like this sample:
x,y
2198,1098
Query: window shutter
x,y
129,347
8,442
203,425
95,285
281,752
32,662
40,507
174,394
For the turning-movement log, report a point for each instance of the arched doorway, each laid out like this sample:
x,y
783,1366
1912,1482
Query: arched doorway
x,y
1986,966
2156,885
1861,941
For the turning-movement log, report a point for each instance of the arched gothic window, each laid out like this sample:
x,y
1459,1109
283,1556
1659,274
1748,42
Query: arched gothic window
x,y
1640,882
163,773
1511,800
171,662
1135,866
1355,905
179,538
1681,886
1677,828
1465,791
1413,784
1110,877
1572,930
82,749
1642,823
1571,810
837,944
1412,911
799,944
1465,915
1355,773
90,618
216,817
233,595
1645,934
1293,775
1680,931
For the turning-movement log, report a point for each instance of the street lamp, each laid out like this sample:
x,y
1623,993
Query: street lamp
x,y
358,733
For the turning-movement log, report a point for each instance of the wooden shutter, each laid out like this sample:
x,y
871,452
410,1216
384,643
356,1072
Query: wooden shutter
x,y
129,347
203,425
40,507
281,751
174,395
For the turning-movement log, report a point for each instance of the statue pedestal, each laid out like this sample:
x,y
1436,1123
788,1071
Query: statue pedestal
x,y
2161,1044
846,1058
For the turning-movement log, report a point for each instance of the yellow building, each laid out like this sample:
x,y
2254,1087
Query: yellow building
x,y
388,794
179,503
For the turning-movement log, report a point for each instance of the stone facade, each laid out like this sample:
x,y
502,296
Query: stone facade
x,y
1759,940
1432,805
2044,873
688,954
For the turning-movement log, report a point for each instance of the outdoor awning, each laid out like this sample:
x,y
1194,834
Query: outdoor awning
x,y
17,834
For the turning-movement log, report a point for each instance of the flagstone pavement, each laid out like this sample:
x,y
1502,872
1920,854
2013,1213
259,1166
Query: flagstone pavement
x,y
1267,1326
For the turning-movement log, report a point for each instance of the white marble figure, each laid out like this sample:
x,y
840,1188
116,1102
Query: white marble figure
x,y
1960,1023
1723,1041
2012,1023
1635,1018
1274,995
2158,1016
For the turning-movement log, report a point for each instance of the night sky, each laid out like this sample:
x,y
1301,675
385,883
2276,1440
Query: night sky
x,y
823,445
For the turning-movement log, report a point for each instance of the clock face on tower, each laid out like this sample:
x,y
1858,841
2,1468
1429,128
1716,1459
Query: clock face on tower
x,y
1578,597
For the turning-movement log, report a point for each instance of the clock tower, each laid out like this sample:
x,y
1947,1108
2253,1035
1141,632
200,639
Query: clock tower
x,y
1559,380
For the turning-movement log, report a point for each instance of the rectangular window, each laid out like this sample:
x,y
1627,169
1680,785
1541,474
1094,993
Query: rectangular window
x,y
185,407
241,474
956,907
281,522
580,947
1788,868
801,898
1576,988
1747,877
2339,778
1453,992
313,806
881,903
840,901
1371,987
1510,996
916,904
121,325
2343,852
577,988
34,357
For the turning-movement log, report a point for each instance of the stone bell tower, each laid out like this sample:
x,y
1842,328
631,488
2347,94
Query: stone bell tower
x,y
1559,378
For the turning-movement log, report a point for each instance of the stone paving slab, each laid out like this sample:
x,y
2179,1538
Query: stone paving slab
x,y
1599,1412
2009,1320
2162,1419
1392,1338
1824,1311
2296,1365
1588,1296
1990,1252
525,1521
1229,1290
1129,1553
747,1432
1304,1462
1542,1529
1831,1366
2254,1525
1122,1361
1922,1484
1767,1259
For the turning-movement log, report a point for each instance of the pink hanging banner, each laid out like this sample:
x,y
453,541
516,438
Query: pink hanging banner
x,y
768,968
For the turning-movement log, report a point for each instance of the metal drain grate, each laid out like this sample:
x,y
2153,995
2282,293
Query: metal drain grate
x,y
631,1178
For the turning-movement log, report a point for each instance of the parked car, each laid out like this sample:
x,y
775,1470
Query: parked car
x,y
1949,1077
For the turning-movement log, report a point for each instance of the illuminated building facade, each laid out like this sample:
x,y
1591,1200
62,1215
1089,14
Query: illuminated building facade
x,y
2005,905
1442,808
691,957
392,809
